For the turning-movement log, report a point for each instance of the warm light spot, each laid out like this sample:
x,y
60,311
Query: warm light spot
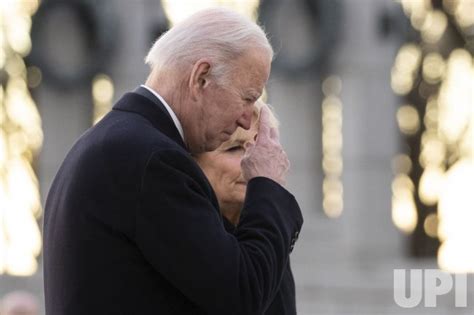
x,y
408,119
22,187
22,111
3,148
401,83
34,76
102,88
333,204
466,147
453,257
20,263
401,184
431,185
456,98
332,165
416,10
433,68
404,213
408,58
447,143
431,115
332,85
29,7
450,5
464,13
433,150
15,67
332,185
3,57
3,115
406,65
332,142
434,26
456,216
21,137
401,164
431,225
102,93
18,33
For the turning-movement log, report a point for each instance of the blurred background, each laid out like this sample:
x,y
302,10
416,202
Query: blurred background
x,y
376,103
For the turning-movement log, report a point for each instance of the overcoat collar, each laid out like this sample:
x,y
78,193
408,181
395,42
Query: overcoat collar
x,y
144,103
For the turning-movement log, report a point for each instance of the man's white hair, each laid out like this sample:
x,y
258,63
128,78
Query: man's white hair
x,y
219,34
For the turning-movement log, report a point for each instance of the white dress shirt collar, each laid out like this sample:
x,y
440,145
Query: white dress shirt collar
x,y
170,111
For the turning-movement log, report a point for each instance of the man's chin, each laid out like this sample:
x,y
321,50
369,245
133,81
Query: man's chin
x,y
212,146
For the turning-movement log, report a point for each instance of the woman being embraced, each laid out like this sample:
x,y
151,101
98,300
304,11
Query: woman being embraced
x,y
222,168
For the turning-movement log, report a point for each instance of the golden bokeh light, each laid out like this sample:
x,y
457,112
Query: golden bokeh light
x,y
333,204
433,68
401,164
431,114
417,11
456,98
434,26
34,76
21,138
332,142
431,185
406,65
453,257
430,225
332,85
446,145
402,184
404,214
464,13
433,150
450,5
456,215
3,56
408,119
332,184
466,146
102,94
102,88
333,165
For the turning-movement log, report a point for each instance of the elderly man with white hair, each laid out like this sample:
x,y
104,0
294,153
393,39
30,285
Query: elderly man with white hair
x,y
132,225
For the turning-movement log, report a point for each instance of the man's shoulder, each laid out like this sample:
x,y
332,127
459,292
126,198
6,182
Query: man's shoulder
x,y
122,143
125,131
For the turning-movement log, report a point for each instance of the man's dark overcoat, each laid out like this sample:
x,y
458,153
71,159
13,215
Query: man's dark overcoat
x,y
132,226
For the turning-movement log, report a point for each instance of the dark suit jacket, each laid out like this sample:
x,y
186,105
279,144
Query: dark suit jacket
x,y
132,226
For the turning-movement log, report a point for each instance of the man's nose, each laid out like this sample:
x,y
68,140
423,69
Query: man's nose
x,y
246,119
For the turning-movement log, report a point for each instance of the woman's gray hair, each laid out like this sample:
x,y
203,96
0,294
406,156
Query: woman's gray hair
x,y
219,34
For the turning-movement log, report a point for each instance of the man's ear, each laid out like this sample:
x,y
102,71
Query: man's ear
x,y
199,78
